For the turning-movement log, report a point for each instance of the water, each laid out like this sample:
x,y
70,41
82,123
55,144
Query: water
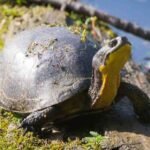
x,y
137,11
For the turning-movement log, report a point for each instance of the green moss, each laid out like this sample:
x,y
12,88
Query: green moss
x,y
1,44
12,138
78,19
7,11
91,25
19,2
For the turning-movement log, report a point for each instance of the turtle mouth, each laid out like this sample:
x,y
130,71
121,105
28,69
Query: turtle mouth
x,y
117,43
118,57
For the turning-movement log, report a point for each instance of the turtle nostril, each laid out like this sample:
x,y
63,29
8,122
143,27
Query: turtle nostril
x,y
125,40
113,43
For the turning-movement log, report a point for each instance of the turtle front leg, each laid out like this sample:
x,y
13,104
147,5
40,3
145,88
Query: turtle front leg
x,y
139,99
35,121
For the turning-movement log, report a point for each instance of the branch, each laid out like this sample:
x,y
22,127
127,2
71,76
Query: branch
x,y
90,11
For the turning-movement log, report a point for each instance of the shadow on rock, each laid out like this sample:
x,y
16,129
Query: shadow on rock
x,y
120,118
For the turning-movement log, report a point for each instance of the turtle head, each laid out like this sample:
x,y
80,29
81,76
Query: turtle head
x,y
113,55
107,64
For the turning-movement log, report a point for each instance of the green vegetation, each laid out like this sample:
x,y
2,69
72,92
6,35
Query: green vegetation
x,y
93,142
7,14
19,2
12,138
92,25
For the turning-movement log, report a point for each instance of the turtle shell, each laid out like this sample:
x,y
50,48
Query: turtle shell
x,y
43,67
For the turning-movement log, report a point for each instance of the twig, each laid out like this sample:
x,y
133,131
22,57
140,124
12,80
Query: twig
x,y
90,11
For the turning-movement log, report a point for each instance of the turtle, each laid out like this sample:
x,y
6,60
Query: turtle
x,y
49,73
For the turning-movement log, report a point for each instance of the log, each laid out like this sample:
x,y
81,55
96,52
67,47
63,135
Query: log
x,y
91,11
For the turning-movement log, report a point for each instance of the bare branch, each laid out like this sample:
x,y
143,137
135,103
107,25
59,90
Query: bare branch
x,y
91,11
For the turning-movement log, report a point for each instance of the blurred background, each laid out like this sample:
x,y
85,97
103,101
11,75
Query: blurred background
x,y
136,11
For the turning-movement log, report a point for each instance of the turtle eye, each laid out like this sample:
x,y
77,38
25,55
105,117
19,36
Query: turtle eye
x,y
112,43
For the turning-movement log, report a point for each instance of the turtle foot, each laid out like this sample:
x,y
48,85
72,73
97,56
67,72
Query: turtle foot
x,y
139,99
36,129
29,126
36,120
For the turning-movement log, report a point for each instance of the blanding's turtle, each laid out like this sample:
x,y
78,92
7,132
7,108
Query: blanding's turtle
x,y
48,73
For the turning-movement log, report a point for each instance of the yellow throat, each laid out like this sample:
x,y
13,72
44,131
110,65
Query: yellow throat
x,y
111,76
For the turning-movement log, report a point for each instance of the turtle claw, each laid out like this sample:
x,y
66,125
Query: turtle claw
x,y
29,127
35,121
25,131
35,129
